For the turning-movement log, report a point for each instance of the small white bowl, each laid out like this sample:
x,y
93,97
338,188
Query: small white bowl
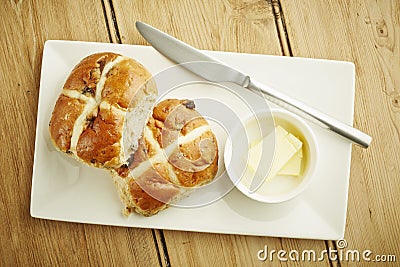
x,y
279,188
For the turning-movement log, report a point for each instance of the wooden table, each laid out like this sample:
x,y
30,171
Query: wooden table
x,y
364,32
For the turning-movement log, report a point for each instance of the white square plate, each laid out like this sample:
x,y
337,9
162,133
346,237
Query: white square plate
x,y
67,191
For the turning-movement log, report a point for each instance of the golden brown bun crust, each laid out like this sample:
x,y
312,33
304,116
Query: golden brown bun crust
x,y
123,86
85,75
88,124
198,175
190,164
99,142
151,192
171,115
65,113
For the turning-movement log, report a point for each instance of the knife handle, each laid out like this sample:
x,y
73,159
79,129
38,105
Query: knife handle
x,y
311,114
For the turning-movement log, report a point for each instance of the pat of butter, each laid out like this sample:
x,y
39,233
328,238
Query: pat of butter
x,y
288,154
293,166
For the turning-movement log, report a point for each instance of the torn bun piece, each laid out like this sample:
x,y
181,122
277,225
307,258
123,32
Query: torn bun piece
x,y
177,153
103,105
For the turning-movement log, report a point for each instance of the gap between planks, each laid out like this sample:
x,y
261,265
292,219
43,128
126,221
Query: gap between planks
x,y
161,245
111,21
115,37
281,28
159,242
287,51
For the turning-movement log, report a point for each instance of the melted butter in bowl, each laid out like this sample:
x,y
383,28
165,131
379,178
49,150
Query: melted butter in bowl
x,y
281,156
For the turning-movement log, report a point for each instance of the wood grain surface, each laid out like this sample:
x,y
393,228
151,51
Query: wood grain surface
x,y
364,32
25,241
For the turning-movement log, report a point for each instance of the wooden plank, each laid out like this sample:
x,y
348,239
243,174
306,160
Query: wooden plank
x,y
235,25
281,27
195,249
238,26
366,33
111,22
25,25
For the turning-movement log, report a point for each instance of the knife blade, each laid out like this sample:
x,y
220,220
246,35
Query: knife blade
x,y
181,52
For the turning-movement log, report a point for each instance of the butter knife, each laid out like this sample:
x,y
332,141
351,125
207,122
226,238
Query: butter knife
x,y
181,52
219,72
